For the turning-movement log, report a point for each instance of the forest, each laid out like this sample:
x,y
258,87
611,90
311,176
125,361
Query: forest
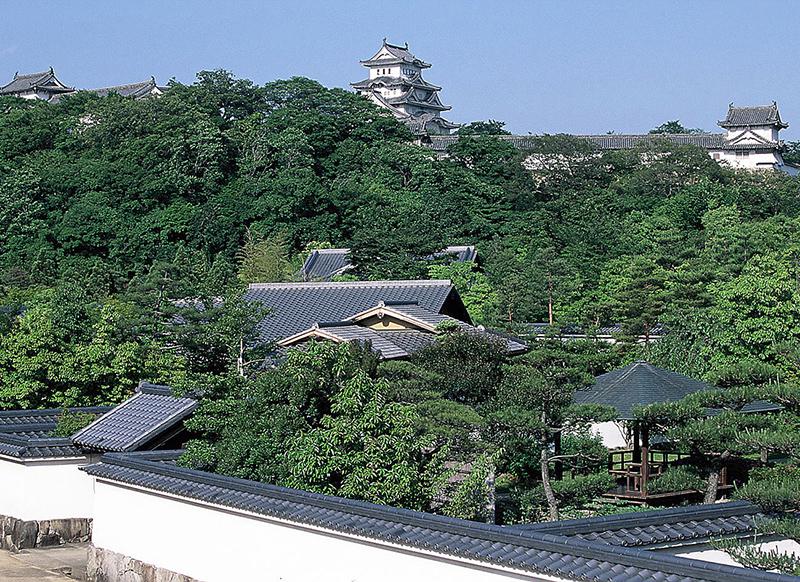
x,y
114,211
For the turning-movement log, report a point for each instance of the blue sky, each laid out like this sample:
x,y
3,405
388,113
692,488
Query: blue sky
x,y
541,66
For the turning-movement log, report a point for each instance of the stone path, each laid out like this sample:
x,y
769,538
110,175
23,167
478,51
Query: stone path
x,y
56,564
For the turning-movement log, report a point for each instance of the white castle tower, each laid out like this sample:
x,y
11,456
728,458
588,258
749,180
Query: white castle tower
x,y
395,82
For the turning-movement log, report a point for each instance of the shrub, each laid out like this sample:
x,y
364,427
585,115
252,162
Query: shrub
x,y
676,479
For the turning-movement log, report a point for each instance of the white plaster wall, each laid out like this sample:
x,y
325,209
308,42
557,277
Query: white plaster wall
x,y
45,489
755,160
719,557
612,433
219,545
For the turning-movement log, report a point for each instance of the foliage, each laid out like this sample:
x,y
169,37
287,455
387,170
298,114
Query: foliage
x,y
471,498
69,422
680,478
320,421
776,489
674,126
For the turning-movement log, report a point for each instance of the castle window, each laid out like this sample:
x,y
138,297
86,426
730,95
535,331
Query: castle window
x,y
742,154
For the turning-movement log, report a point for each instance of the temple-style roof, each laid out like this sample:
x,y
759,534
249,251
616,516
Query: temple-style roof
x,y
46,80
759,115
153,414
638,384
548,554
297,307
394,54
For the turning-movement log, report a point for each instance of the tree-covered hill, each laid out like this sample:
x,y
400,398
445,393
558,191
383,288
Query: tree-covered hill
x,y
110,207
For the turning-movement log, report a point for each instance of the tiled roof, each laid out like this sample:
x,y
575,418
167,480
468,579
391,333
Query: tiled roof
x,y
415,81
753,116
677,526
570,558
544,328
381,342
130,90
399,54
27,433
640,384
149,415
324,264
27,82
709,141
295,307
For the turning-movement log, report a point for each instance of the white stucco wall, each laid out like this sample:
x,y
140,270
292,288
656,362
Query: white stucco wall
x,y
45,489
709,554
219,545
612,433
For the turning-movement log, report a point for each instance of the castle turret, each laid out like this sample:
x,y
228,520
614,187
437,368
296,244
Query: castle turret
x,y
395,82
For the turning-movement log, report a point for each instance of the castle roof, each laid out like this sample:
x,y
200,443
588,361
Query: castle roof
x,y
415,81
45,80
135,90
394,54
753,116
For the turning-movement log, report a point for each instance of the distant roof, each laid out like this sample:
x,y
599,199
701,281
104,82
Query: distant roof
x,y
639,383
295,307
28,433
753,116
324,264
135,90
149,415
570,329
677,526
545,553
709,141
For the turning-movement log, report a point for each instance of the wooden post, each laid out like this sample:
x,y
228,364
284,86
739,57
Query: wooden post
x,y
645,458
637,453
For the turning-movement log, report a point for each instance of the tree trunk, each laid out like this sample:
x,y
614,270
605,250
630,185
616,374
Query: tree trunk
x,y
552,504
713,479
550,298
711,486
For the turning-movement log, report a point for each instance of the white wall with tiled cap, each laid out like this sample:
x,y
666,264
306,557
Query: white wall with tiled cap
x,y
42,489
216,544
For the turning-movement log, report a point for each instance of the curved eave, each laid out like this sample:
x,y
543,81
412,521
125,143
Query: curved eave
x,y
395,61
726,125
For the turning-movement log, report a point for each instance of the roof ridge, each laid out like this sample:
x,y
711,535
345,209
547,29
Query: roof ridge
x,y
323,284
563,546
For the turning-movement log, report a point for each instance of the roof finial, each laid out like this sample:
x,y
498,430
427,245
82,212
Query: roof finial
x,y
16,74
406,45
384,40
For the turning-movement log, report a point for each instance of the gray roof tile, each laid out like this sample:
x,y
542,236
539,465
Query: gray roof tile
x,y
146,416
571,558
665,527
27,433
710,141
295,307
640,384
753,116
